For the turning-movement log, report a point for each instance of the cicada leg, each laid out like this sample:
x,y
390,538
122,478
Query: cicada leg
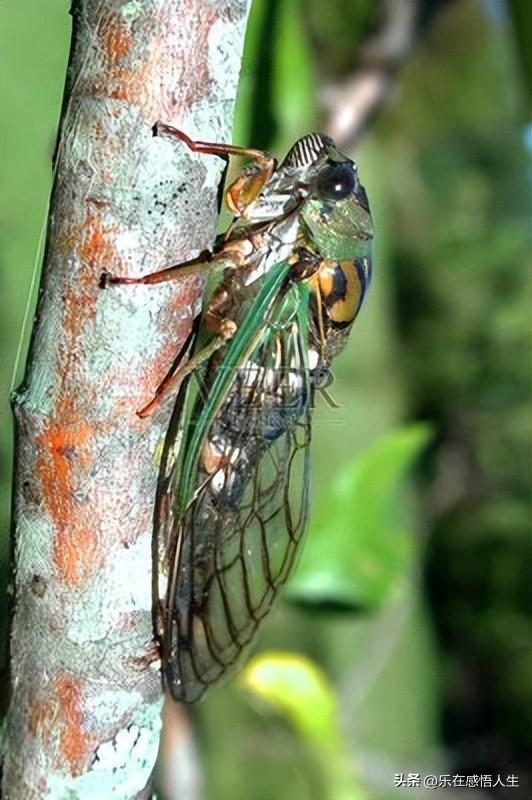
x,y
212,148
201,265
232,254
247,187
215,320
222,328
176,373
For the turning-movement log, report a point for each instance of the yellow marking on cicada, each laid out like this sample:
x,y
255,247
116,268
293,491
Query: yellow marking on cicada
x,y
341,289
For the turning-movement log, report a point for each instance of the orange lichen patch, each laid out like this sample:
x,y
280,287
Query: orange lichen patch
x,y
127,88
130,67
62,453
186,70
77,553
186,297
116,81
56,452
95,247
65,444
99,131
156,371
75,744
197,66
92,243
116,38
63,711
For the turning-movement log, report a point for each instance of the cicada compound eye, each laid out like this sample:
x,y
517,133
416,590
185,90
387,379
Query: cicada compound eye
x,y
336,181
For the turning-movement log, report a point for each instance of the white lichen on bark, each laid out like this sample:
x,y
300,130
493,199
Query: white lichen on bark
x,y
85,710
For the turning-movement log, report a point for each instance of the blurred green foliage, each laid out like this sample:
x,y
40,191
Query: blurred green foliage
x,y
362,541
463,302
336,37
425,635
520,12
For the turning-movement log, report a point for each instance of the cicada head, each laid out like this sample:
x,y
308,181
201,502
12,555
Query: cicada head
x,y
336,212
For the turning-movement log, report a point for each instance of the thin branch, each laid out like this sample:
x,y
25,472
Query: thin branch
x,y
179,766
351,106
84,716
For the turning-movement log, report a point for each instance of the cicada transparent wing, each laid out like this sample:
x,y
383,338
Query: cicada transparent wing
x,y
241,492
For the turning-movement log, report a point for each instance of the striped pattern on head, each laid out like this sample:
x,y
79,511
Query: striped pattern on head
x,y
307,150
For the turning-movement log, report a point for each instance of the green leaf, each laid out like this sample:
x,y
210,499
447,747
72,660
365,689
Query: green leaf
x,y
359,542
251,85
295,687
293,79
277,90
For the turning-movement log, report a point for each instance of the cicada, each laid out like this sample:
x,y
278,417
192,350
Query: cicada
x,y
292,270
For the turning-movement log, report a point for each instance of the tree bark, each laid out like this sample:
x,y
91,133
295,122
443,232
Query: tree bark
x,y
84,715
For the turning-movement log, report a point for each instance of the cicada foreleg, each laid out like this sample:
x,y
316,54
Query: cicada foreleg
x,y
247,187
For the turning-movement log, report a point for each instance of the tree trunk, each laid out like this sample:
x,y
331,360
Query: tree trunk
x,y
84,716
